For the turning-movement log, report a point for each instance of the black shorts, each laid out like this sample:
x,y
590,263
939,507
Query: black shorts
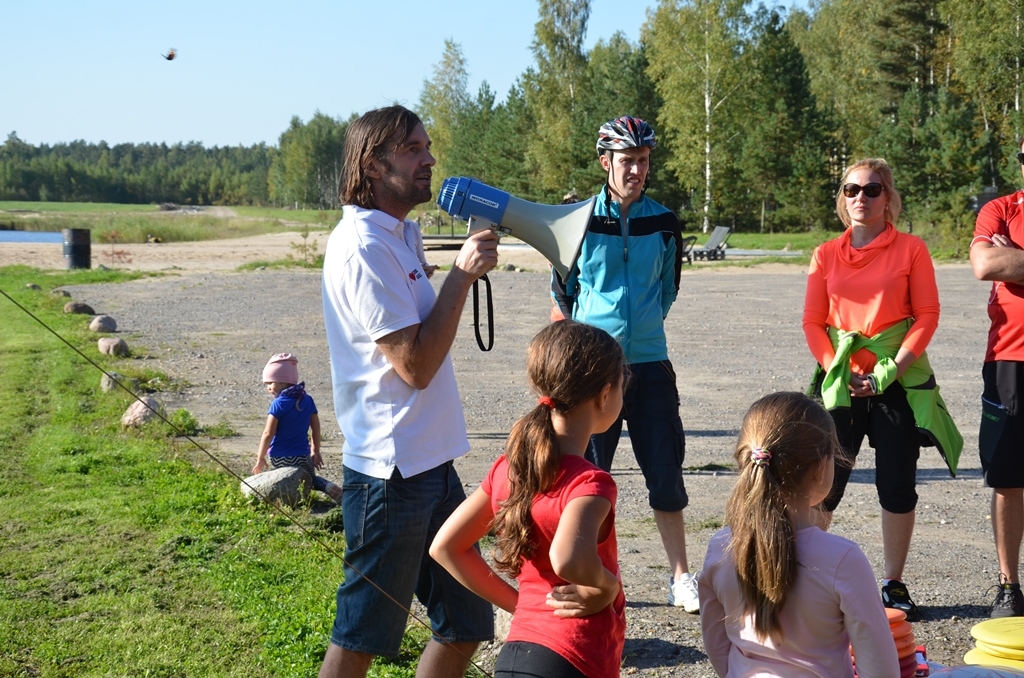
x,y
520,659
650,407
890,427
1001,436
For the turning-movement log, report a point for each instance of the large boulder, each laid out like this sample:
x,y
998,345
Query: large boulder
x,y
112,346
142,411
103,323
288,485
78,307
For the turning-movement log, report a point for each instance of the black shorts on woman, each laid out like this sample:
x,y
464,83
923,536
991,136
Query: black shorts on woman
x,y
889,425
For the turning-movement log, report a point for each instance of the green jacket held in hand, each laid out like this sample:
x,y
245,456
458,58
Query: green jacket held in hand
x,y
933,420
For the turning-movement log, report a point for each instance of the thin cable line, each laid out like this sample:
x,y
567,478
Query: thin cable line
x,y
327,547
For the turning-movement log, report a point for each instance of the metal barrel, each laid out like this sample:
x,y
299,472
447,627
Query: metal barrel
x,y
77,248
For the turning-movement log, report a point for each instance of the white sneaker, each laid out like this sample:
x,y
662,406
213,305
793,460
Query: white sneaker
x,y
682,593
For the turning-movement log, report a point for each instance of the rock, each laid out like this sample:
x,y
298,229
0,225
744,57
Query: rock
x,y
32,286
288,485
78,307
141,412
103,323
109,383
112,346
60,293
510,267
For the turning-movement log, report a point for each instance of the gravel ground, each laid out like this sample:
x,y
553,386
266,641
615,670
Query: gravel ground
x,y
734,335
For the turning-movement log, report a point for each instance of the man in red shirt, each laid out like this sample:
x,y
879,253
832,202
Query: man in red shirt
x,y
997,254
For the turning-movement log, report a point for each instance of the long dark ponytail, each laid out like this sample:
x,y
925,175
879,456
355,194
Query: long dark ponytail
x,y
568,363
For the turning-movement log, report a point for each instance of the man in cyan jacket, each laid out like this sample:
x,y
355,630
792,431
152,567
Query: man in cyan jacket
x,y
624,282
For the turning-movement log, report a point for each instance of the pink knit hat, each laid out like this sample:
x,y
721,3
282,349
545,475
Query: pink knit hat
x,y
283,367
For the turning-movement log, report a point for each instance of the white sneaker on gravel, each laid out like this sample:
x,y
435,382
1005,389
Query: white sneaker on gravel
x,y
682,592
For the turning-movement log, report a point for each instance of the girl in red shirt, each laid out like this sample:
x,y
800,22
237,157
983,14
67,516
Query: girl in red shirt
x,y
553,514
867,280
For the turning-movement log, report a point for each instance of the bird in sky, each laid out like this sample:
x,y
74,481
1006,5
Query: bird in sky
x,y
170,55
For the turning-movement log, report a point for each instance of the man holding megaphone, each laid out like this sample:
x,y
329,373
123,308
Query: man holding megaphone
x,y
396,402
624,281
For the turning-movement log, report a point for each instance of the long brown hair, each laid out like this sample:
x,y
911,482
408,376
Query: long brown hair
x,y
569,363
895,203
373,135
783,437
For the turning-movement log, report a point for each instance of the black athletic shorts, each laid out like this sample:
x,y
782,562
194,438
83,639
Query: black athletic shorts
x,y
889,425
520,659
1001,437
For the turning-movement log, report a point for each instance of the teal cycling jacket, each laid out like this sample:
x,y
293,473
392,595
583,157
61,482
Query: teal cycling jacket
x,y
626,277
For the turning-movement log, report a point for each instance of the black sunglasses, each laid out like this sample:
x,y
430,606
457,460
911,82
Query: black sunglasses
x,y
870,190
1020,158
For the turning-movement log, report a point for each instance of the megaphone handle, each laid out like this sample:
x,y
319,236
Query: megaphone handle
x,y
476,314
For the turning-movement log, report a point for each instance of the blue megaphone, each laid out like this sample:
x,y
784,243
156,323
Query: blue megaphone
x,y
556,231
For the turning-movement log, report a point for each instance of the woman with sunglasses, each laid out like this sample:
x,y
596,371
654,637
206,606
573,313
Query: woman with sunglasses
x,y
871,308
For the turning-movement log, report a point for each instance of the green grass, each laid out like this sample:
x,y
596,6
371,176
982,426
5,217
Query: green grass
x,y
112,224
76,207
713,524
323,218
117,555
805,242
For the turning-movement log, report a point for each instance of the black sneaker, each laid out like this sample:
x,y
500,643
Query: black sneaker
x,y
1009,601
895,595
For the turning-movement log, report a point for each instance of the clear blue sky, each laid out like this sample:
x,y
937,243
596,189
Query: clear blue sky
x,y
73,69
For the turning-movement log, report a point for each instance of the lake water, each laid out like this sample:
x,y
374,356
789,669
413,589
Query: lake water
x,y
31,236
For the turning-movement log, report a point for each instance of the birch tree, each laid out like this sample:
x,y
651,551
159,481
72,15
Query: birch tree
x,y
986,45
695,55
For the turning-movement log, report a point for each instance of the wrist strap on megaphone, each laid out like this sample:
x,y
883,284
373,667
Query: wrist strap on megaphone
x,y
476,314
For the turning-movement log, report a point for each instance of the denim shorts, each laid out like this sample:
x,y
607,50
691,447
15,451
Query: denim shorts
x,y
650,407
389,525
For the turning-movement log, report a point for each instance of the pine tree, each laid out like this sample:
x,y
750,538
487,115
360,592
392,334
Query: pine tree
x,y
783,148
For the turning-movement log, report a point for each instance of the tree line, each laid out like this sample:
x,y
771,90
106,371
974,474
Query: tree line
x,y
757,112
303,170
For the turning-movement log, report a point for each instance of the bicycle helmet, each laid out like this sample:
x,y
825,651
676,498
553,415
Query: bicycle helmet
x,y
625,132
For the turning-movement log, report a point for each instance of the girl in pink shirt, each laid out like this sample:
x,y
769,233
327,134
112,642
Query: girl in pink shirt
x,y
779,597
553,513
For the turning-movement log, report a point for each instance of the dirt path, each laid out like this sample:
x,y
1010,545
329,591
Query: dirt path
x,y
734,335
219,255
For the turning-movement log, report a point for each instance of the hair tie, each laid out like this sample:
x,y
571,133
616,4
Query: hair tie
x,y
759,456
546,402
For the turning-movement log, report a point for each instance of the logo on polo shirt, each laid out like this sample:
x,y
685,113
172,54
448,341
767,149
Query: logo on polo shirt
x,y
415,274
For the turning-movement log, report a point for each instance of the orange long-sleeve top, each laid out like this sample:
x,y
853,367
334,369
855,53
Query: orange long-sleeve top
x,y
869,290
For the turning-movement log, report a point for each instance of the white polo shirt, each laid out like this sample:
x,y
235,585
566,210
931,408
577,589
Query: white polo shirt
x,y
373,285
